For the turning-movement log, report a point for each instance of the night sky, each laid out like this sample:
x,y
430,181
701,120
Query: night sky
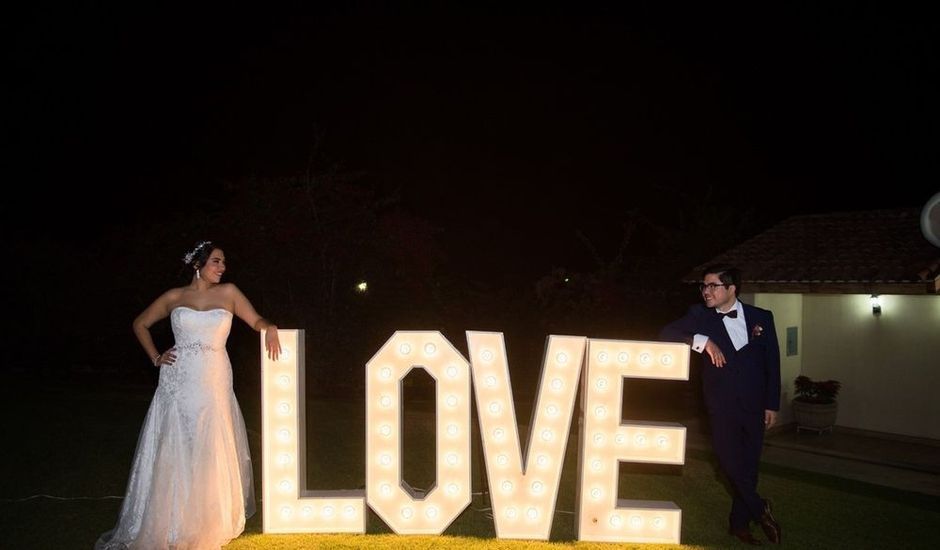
x,y
513,132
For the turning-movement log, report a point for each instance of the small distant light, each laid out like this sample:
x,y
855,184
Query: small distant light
x,y
362,287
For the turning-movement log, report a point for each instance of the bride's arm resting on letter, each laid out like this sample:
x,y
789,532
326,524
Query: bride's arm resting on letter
x,y
246,312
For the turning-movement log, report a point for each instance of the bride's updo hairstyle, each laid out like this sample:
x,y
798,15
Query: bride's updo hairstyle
x,y
199,255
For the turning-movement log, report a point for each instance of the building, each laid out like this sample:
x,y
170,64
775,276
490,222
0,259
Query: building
x,y
856,298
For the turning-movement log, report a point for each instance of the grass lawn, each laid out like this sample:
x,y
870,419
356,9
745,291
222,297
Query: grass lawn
x,y
76,441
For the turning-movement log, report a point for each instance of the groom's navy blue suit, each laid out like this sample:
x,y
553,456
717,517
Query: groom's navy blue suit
x,y
736,396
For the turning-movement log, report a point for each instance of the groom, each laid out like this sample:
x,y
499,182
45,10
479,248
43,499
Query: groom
x,y
741,385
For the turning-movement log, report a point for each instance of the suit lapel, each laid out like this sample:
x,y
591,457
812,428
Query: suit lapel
x,y
722,331
749,321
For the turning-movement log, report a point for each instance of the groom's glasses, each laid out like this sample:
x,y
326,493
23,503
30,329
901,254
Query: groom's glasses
x,y
710,286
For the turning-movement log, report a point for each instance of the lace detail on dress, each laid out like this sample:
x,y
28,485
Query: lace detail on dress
x,y
194,347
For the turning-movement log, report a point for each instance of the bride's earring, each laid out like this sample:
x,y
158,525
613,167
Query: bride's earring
x,y
198,276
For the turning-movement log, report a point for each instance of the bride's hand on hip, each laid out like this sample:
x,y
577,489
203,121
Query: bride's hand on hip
x,y
168,357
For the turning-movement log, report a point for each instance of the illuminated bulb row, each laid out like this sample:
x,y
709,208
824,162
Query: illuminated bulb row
x,y
536,488
636,522
327,511
429,349
386,373
643,359
511,513
661,441
283,422
541,460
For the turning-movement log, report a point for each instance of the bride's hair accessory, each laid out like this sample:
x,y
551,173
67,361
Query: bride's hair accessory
x,y
191,255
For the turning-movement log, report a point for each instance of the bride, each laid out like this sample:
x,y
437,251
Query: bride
x,y
190,485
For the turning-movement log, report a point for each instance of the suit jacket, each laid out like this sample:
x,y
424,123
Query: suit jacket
x,y
750,379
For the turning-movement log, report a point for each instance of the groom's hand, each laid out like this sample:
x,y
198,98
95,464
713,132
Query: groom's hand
x,y
714,353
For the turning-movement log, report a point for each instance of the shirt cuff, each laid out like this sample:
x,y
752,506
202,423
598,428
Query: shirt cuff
x,y
698,342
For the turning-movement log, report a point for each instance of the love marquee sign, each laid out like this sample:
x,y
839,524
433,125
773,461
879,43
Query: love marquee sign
x,y
523,490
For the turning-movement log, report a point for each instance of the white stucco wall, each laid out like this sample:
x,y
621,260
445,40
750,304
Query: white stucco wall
x,y
788,312
889,365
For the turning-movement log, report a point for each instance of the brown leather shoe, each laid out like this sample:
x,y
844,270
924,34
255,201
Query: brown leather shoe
x,y
768,506
769,524
745,536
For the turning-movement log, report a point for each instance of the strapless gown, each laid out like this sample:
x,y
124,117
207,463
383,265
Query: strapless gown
x,y
190,485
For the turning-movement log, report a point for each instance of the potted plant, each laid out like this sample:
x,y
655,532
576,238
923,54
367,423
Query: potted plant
x,y
814,403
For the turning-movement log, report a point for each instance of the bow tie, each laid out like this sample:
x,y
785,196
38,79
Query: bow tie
x,y
732,314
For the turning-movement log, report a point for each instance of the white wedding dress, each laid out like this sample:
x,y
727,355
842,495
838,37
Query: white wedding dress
x,y
190,485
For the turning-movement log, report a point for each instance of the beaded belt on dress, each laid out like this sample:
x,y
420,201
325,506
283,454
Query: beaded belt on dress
x,y
197,346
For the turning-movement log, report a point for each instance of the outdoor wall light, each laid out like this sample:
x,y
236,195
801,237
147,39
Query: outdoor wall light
x,y
875,304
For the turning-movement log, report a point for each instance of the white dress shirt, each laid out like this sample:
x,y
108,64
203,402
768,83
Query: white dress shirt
x,y
737,330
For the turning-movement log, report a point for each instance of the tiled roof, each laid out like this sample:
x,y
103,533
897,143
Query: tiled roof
x,y
872,251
